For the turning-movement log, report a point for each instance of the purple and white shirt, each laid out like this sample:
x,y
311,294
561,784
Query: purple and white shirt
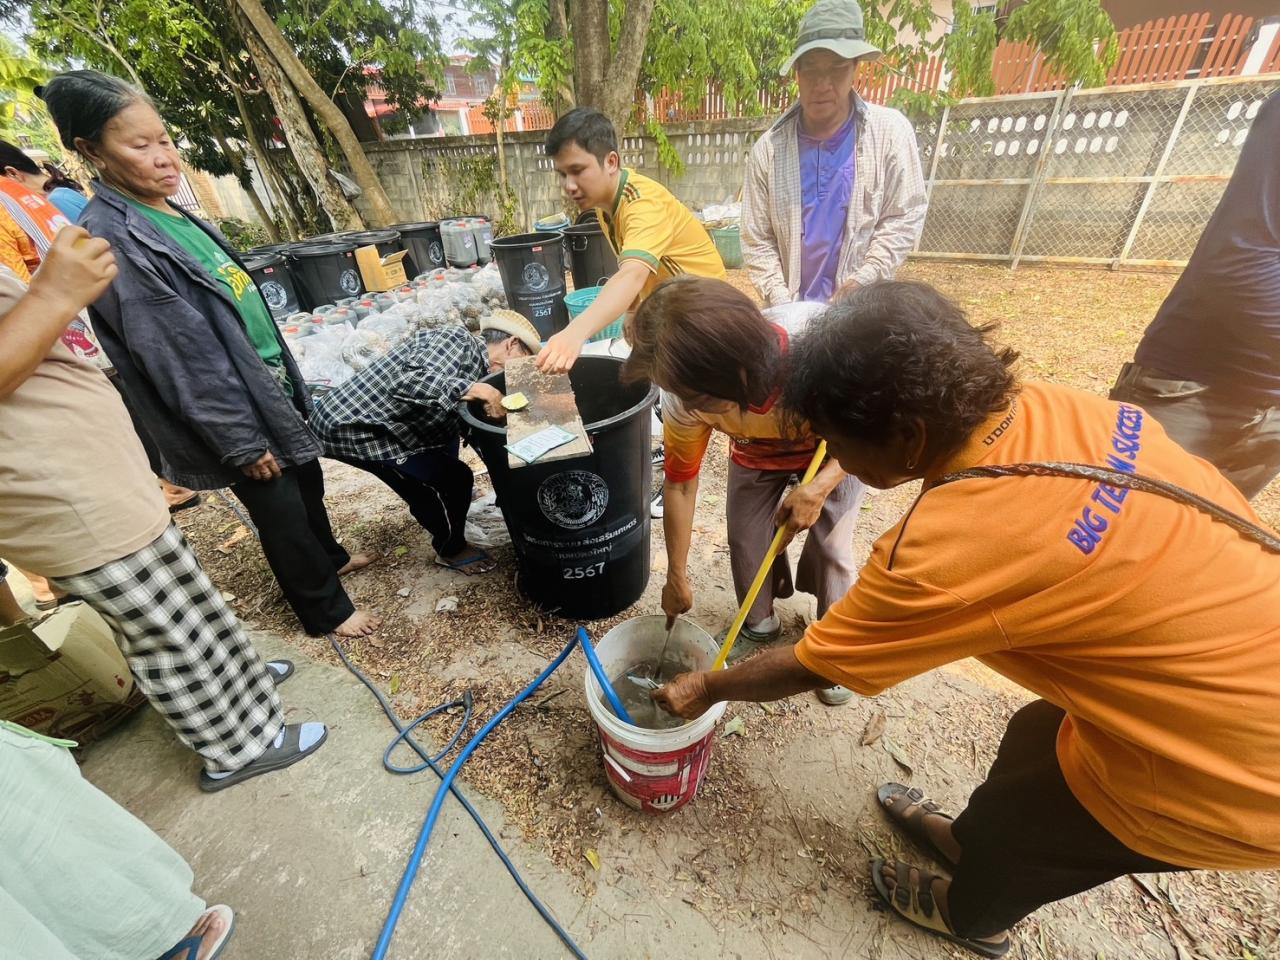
x,y
826,185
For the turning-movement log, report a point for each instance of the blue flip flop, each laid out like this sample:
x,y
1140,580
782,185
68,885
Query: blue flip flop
x,y
189,949
284,673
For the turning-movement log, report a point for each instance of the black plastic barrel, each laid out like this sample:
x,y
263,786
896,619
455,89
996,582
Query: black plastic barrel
x,y
580,527
324,272
387,241
267,248
590,256
532,268
271,272
424,244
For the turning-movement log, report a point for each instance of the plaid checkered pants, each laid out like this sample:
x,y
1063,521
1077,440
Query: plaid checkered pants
x,y
187,651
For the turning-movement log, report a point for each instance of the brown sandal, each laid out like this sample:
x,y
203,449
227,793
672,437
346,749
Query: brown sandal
x,y
897,802
915,903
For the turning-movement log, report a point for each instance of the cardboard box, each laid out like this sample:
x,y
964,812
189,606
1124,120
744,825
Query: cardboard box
x,y
63,675
382,273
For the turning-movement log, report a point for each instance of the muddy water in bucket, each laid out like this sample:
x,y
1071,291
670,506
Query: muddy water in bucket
x,y
655,770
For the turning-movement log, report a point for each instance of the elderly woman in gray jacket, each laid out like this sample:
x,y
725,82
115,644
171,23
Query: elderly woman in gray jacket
x,y
197,351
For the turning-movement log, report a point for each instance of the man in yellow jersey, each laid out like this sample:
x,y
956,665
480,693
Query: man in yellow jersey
x,y
654,235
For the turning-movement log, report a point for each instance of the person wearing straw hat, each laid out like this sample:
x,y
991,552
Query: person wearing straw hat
x,y
398,420
834,197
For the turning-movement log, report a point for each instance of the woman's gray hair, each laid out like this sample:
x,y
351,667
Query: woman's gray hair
x,y
82,102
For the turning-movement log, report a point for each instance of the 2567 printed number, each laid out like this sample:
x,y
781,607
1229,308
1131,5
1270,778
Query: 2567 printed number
x,y
581,573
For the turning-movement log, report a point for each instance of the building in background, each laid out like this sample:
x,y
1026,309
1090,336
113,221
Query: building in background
x,y
460,109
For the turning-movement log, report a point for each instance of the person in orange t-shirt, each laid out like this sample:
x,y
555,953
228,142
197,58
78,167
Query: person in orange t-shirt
x,y
1148,626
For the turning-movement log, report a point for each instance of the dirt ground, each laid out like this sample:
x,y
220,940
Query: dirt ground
x,y
776,844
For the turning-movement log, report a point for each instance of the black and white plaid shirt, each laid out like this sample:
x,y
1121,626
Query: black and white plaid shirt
x,y
405,402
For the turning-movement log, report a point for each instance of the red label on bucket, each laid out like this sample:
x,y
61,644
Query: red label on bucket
x,y
537,249
656,782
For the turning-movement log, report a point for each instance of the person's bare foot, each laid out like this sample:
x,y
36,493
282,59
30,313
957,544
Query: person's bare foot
x,y
359,624
213,923
938,888
358,561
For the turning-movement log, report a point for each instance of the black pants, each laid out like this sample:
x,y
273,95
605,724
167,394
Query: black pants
x,y
437,487
299,544
1025,838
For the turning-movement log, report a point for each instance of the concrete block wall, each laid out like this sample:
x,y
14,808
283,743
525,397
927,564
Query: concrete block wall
x,y
425,179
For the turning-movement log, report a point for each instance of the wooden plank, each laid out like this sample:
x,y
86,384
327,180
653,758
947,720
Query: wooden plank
x,y
1224,59
1272,60
551,403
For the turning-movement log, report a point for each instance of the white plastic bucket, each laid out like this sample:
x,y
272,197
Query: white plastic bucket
x,y
653,770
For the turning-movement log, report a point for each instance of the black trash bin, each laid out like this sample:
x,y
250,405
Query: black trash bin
x,y
267,248
387,241
580,527
271,272
590,256
532,268
324,272
425,246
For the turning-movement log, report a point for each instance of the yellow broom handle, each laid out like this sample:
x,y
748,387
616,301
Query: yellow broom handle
x,y
731,637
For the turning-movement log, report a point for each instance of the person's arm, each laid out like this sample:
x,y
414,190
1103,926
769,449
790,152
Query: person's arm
x,y
759,241
901,214
679,502
802,507
684,441
74,274
770,675
613,300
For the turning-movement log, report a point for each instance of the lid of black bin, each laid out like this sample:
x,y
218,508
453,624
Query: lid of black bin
x,y
263,260
322,249
411,227
267,248
364,238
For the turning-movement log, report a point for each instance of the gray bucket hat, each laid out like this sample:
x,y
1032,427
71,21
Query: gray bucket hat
x,y
834,25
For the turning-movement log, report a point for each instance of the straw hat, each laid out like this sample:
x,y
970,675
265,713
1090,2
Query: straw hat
x,y
516,324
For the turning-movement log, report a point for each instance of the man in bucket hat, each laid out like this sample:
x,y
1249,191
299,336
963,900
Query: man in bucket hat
x,y
398,419
834,196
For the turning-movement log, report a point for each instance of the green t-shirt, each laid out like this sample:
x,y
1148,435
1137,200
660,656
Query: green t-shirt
x,y
253,310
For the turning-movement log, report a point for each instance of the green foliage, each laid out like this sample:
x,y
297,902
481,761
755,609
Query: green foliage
x,y
243,235
1076,37
667,155
23,119
968,48
533,53
174,50
472,187
339,40
738,44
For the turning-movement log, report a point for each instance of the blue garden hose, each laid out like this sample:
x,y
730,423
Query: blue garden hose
x,y
431,762
433,814
605,685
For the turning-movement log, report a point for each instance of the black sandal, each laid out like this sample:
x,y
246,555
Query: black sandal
x,y
897,800
916,904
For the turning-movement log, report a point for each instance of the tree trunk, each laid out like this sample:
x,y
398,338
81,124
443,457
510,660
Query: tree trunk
x,y
325,109
245,176
563,97
605,76
306,150
283,201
